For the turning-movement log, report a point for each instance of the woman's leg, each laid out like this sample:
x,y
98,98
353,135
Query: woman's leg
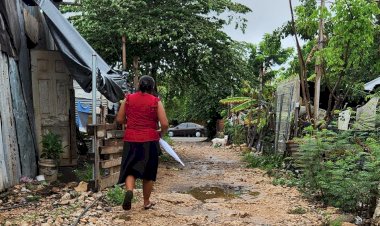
x,y
147,190
130,185
130,182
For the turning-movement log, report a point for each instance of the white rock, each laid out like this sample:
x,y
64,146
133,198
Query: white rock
x,y
119,221
25,190
66,196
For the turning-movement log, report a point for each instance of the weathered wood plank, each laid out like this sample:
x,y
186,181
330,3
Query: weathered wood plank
x,y
3,169
25,139
109,181
115,134
73,133
10,146
31,27
24,66
110,163
104,150
100,130
116,169
113,142
3,166
112,126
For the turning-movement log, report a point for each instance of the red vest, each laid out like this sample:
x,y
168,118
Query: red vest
x,y
142,120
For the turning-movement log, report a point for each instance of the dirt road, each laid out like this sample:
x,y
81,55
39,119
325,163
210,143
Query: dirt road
x,y
214,188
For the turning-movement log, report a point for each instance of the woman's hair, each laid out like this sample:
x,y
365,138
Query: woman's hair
x,y
146,84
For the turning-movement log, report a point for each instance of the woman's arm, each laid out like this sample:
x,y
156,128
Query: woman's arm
x,y
120,118
162,118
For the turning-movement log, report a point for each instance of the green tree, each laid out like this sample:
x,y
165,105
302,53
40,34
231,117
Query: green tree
x,y
350,50
257,94
167,36
180,43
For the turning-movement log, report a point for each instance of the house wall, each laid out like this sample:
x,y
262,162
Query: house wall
x,y
18,148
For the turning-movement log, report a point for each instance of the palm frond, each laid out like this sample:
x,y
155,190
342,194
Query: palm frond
x,y
244,106
235,100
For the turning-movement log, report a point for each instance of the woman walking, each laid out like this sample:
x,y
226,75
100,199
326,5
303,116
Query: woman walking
x,y
141,111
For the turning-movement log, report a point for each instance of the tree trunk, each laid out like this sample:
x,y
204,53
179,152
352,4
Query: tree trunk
x,y
319,65
124,53
136,72
153,73
253,133
330,107
303,81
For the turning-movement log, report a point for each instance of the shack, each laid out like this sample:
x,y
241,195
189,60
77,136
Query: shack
x,y
40,56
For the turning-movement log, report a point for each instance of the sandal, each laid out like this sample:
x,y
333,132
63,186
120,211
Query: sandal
x,y
149,206
127,204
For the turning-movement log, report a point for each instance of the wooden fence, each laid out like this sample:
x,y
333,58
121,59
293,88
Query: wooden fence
x,y
287,95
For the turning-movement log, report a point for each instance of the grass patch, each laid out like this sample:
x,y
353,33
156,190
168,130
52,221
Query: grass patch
x,y
85,173
33,198
115,195
297,210
265,162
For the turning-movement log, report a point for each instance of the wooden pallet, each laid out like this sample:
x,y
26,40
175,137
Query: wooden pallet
x,y
108,159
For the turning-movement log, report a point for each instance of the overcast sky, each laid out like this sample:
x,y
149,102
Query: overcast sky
x,y
266,16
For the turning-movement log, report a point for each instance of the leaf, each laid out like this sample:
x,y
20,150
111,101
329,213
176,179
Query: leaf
x,y
235,100
244,106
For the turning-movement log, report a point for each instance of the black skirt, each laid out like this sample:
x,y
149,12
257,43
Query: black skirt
x,y
140,159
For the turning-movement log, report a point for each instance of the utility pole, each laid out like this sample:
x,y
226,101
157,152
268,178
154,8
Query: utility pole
x,y
319,64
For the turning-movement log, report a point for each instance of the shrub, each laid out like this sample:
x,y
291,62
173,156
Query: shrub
x,y
236,133
84,174
266,162
340,170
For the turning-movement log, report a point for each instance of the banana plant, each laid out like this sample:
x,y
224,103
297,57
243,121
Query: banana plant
x,y
257,111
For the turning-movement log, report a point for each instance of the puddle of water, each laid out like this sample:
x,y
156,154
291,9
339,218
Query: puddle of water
x,y
211,192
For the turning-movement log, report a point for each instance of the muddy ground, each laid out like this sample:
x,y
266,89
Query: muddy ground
x,y
214,188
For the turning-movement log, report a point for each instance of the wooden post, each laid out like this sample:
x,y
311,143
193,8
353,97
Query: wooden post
x,y
319,65
95,149
73,132
124,53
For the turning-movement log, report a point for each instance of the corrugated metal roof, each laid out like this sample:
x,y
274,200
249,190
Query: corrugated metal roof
x,y
372,84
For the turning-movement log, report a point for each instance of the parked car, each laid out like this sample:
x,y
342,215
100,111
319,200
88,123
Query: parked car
x,y
187,129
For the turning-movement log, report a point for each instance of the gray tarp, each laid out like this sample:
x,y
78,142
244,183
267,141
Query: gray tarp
x,y
77,54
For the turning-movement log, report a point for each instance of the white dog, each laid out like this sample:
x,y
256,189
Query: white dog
x,y
219,141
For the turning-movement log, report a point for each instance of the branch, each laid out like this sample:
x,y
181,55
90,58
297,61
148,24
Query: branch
x,y
311,54
15,206
85,210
